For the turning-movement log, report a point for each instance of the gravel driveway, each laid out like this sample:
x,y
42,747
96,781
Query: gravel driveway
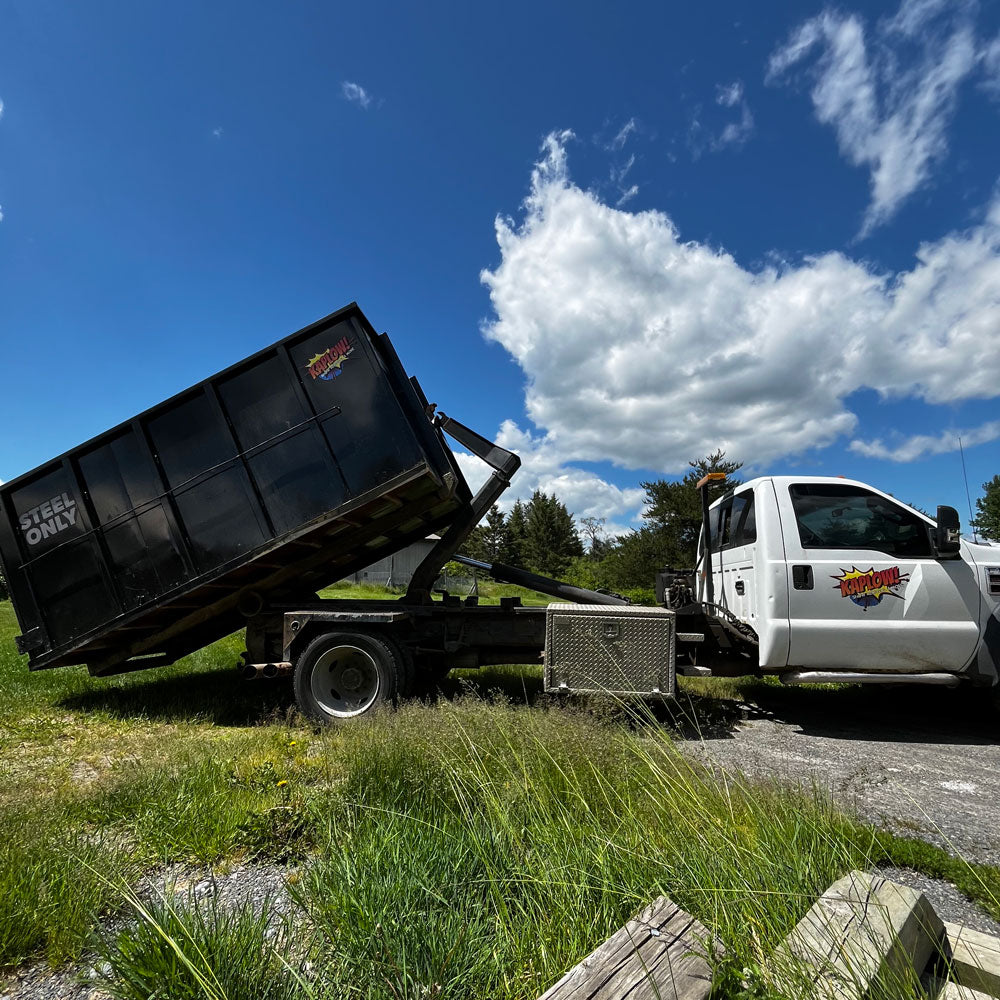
x,y
923,762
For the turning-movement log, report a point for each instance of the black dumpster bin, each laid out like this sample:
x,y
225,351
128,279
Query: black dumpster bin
x,y
285,472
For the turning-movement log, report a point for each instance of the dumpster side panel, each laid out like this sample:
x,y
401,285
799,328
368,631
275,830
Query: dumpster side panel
x,y
148,532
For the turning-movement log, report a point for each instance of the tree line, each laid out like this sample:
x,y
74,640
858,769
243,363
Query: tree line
x,y
542,536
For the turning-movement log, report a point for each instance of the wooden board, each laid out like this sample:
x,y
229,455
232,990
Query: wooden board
x,y
658,955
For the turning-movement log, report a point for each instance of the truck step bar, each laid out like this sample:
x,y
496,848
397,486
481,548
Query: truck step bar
x,y
859,677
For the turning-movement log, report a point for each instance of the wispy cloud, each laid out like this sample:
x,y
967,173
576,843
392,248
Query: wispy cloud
x,y
990,56
890,114
622,163
922,445
356,94
623,133
218,131
734,133
729,96
627,195
713,134
1,108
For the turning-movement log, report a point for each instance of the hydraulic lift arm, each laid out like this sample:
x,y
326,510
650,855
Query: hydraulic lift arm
x,y
504,464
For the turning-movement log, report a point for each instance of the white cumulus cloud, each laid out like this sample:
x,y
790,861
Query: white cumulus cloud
x,y
889,114
356,94
584,492
1,108
647,350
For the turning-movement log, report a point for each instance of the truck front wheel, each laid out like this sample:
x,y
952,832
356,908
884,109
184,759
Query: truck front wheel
x,y
343,675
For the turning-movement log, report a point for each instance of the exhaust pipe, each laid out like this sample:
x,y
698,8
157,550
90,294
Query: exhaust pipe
x,y
267,671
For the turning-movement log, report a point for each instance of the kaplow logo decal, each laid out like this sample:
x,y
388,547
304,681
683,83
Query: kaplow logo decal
x,y
57,514
328,364
866,588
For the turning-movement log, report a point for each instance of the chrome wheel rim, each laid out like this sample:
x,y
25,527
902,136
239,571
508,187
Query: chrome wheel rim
x,y
345,681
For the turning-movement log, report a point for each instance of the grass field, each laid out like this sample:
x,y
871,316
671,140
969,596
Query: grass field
x,y
475,845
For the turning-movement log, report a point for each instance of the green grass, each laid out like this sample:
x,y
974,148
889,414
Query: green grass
x,y
476,845
193,950
489,592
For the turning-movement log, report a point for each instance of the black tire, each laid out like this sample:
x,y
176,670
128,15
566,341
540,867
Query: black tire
x,y
347,675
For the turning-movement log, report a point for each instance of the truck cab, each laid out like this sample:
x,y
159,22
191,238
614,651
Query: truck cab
x,y
839,580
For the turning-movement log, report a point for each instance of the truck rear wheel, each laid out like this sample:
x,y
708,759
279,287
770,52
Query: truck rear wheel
x,y
343,675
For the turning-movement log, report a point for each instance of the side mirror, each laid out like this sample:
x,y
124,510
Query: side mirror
x,y
947,538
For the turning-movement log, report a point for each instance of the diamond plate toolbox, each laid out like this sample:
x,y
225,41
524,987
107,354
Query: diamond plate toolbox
x,y
613,650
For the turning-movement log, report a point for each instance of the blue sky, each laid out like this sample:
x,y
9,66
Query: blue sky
x,y
615,240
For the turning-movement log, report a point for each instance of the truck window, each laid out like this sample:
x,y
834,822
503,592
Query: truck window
x,y
742,527
748,532
834,516
718,523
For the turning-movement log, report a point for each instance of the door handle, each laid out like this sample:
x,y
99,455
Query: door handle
x,y
802,577
740,587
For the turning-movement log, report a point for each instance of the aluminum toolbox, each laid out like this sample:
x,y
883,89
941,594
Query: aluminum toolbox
x,y
611,650
291,469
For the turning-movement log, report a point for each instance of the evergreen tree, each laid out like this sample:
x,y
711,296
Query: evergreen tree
x,y
987,521
550,539
490,540
516,524
674,509
636,558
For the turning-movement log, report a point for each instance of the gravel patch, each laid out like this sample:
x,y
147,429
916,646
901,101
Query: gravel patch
x,y
948,902
259,886
39,982
254,885
921,764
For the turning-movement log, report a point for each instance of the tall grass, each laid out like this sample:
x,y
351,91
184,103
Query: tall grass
x,y
484,852
465,850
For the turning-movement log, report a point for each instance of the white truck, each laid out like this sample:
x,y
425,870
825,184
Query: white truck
x,y
819,580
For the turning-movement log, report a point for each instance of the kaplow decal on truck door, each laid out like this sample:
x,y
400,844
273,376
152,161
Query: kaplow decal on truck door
x,y
866,588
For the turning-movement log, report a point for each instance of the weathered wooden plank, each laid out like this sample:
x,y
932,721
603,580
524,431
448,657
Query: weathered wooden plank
x,y
658,955
973,958
940,988
864,930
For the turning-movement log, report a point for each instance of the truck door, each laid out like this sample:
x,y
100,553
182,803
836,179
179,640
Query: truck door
x,y
864,589
734,535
